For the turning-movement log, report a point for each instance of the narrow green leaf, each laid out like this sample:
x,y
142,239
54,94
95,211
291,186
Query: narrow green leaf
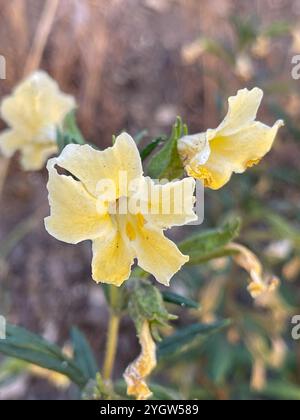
x,y
21,336
185,338
182,301
83,354
24,345
150,147
221,359
210,244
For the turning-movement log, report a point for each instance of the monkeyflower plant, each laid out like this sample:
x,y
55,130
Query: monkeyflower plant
x,y
111,198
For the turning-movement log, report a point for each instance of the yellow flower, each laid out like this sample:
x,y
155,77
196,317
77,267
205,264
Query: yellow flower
x,y
107,200
137,371
33,112
238,143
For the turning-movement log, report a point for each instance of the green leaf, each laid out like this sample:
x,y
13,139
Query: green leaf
x,y
182,301
83,355
24,345
210,244
70,127
167,163
186,338
221,358
150,147
70,133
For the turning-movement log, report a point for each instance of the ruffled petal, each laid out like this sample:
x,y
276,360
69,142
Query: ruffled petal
x,y
117,166
37,101
170,204
11,141
242,110
74,217
33,156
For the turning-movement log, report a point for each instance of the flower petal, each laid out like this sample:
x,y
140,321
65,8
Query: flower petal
x,y
36,102
74,216
34,155
113,164
171,204
156,254
236,153
242,110
11,141
112,258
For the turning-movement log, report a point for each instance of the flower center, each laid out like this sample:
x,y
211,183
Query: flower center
x,y
127,222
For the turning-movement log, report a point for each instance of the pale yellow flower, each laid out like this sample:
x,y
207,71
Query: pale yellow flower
x,y
96,204
33,112
238,143
137,371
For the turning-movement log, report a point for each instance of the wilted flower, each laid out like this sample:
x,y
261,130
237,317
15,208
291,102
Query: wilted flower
x,y
260,283
264,355
107,200
238,143
33,112
138,370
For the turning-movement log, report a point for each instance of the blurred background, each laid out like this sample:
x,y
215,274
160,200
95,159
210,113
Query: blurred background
x,y
136,65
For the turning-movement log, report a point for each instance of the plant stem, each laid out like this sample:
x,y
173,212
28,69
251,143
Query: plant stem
x,y
111,345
